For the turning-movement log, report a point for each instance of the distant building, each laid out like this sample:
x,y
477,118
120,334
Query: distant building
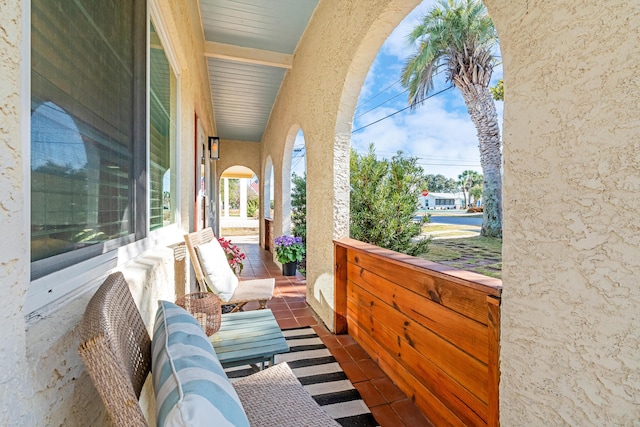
x,y
437,201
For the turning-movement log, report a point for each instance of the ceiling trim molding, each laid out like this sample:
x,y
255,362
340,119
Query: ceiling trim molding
x,y
247,55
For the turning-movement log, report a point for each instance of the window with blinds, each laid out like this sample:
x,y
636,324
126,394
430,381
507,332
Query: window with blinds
x,y
162,135
87,129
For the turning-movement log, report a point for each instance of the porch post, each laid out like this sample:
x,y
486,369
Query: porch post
x,y
226,197
243,198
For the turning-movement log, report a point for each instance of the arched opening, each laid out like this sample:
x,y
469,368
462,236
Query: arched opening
x,y
439,134
293,142
239,202
267,199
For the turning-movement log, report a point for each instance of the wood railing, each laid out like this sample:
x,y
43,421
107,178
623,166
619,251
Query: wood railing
x,y
434,330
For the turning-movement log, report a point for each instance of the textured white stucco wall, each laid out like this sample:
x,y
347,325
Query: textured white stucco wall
x,y
319,94
14,255
42,379
571,253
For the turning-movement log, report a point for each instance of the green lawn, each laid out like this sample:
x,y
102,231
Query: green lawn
x,y
479,254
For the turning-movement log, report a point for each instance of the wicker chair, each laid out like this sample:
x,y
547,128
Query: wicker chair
x,y
260,290
116,350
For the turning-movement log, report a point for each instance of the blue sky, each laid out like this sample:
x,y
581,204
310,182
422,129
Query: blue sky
x,y
440,132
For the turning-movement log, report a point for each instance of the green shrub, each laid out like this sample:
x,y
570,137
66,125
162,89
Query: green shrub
x,y
384,196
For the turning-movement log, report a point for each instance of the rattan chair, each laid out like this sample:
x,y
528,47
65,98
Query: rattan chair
x,y
260,290
116,350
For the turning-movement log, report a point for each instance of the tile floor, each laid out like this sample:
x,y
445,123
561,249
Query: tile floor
x,y
387,402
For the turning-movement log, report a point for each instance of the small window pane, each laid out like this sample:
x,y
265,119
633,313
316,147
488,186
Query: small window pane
x,y
162,136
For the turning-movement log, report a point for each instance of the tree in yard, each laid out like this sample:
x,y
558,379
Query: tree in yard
x,y
299,214
440,184
467,180
476,192
384,197
299,206
234,193
498,91
458,36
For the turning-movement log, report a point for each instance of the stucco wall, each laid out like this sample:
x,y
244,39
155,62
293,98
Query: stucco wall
x,y
182,20
570,326
14,268
241,153
319,94
42,379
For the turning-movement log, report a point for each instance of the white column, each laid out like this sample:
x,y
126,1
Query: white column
x,y
243,198
226,197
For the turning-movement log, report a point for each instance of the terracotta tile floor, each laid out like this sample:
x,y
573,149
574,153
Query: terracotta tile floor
x,y
387,403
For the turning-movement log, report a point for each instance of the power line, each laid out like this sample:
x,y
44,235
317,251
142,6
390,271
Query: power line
x,y
390,99
382,103
418,155
378,94
399,111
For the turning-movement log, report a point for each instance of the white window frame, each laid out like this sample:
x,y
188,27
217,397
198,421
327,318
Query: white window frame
x,y
46,294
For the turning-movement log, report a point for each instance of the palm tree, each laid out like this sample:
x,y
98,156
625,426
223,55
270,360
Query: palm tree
x,y
466,181
458,36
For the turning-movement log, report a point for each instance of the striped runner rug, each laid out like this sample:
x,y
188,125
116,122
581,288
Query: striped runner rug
x,y
321,375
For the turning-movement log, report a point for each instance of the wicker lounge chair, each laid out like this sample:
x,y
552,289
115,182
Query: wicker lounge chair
x,y
260,290
116,350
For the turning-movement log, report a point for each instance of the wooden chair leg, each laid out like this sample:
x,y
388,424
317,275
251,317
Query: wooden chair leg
x,y
238,307
263,304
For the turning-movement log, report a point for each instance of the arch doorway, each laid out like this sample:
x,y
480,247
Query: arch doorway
x,y
239,201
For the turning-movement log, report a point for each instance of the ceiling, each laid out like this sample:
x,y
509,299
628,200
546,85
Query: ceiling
x,y
249,45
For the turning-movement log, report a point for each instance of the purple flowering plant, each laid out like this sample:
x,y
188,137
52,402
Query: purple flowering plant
x,y
289,249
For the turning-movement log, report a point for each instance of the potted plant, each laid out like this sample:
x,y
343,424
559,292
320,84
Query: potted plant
x,y
289,251
234,255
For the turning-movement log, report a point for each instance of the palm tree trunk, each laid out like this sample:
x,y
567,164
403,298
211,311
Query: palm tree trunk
x,y
482,110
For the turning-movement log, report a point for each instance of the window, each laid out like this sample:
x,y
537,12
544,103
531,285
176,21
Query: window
x,y
87,129
162,135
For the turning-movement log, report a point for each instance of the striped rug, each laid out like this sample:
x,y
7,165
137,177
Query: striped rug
x,y
321,375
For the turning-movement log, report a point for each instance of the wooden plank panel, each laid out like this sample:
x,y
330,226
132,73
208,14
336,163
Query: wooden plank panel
x,y
413,317
397,334
468,334
437,383
340,290
493,306
450,293
431,406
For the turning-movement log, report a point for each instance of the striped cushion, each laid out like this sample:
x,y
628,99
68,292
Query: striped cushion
x,y
190,385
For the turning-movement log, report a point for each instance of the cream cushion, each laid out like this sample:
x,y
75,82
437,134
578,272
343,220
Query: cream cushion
x,y
218,275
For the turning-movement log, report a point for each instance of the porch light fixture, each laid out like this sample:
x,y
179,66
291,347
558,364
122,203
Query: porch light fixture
x,y
214,148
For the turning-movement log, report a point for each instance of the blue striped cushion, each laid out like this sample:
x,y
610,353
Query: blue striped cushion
x,y
190,385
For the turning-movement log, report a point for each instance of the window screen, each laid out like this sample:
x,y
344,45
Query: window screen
x,y
162,135
87,92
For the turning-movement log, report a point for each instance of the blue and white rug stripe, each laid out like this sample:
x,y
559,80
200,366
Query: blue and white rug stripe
x,y
322,377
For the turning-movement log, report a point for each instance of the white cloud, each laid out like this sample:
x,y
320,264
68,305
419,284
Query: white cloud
x,y
445,142
396,43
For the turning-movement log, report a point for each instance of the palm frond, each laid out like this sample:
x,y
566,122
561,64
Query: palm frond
x,y
457,35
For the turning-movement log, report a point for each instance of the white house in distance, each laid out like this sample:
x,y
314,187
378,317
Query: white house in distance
x,y
441,200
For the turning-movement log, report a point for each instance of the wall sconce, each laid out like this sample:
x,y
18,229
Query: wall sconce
x,y
214,148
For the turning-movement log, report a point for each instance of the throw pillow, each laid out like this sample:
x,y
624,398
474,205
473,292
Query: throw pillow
x,y
217,273
189,382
